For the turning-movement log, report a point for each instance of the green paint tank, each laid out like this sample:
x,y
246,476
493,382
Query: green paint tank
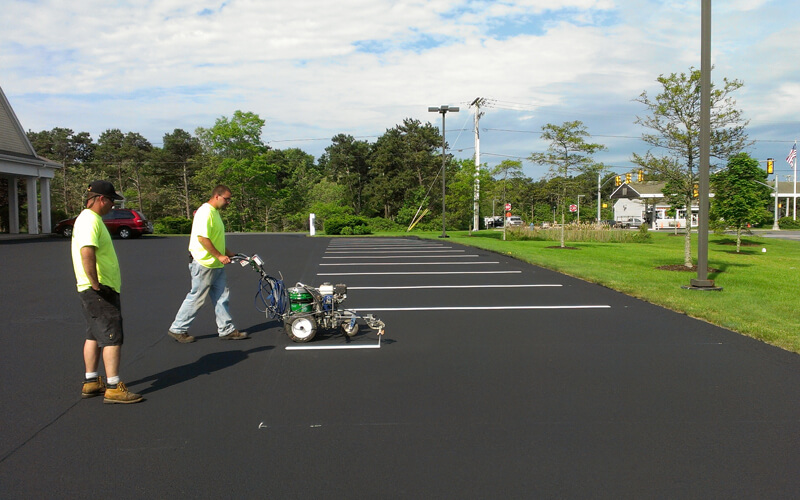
x,y
301,300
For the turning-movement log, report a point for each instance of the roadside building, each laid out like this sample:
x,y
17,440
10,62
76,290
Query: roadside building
x,y
19,162
645,201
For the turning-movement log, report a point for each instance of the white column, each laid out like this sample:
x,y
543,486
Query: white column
x,y
44,190
33,205
13,206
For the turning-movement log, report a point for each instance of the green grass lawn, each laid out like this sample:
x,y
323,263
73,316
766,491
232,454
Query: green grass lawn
x,y
761,290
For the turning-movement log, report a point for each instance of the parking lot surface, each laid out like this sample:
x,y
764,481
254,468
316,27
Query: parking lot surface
x,y
495,379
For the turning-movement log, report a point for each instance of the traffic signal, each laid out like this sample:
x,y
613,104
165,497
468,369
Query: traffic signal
x,y
770,165
696,191
617,181
628,177
640,176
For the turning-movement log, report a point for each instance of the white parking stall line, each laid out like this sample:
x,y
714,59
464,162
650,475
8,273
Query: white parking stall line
x,y
408,256
397,251
332,347
477,308
419,272
407,263
425,287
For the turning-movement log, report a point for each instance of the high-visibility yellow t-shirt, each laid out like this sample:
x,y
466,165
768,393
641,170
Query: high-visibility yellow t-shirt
x,y
208,224
89,231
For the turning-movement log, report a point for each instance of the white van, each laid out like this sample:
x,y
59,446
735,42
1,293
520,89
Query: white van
x,y
514,220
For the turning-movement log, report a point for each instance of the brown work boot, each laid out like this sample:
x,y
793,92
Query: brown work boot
x,y
120,394
183,338
93,387
234,335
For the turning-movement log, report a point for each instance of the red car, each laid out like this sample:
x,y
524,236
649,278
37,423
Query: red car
x,y
122,222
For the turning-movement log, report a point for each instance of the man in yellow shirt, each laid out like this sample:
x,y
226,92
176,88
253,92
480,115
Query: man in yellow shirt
x,y
209,256
94,261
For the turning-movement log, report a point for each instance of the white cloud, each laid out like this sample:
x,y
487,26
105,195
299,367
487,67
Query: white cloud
x,y
315,68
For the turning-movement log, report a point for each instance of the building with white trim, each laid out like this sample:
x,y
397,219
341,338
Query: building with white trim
x,y
640,199
18,161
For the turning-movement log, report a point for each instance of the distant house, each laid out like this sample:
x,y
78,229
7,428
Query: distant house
x,y
645,201
18,161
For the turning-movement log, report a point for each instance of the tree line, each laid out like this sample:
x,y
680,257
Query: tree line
x,y
393,178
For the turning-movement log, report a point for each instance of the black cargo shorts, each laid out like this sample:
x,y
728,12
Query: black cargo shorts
x,y
103,314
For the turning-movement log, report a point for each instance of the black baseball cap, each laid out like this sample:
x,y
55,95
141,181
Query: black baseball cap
x,y
103,188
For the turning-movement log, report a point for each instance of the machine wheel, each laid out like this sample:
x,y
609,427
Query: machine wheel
x,y
301,328
347,331
124,233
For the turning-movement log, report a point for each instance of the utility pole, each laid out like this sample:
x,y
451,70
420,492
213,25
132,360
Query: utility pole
x,y
477,190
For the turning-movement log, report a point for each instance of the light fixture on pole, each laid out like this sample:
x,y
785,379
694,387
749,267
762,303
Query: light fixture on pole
x,y
444,109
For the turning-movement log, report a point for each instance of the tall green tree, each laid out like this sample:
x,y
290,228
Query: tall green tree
x,y
178,164
235,155
109,157
236,138
567,154
346,162
674,119
136,154
72,150
403,165
740,194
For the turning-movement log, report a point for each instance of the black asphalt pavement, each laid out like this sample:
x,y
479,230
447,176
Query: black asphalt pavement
x,y
495,379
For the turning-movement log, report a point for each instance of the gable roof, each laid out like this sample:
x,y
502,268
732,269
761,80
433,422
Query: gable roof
x,y
17,155
633,190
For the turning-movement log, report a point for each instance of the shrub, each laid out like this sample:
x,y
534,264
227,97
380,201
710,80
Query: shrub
x,y
379,224
173,225
337,224
788,223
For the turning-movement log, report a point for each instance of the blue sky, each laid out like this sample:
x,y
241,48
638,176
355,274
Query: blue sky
x,y
314,68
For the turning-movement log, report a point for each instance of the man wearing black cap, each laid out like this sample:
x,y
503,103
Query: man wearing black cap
x,y
99,282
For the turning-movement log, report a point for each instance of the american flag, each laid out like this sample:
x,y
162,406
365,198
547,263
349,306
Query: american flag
x,y
792,155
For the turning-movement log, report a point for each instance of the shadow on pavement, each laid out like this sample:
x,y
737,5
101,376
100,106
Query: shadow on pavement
x,y
204,366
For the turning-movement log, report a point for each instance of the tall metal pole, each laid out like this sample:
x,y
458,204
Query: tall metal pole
x,y
444,170
443,110
702,281
775,225
794,167
598,196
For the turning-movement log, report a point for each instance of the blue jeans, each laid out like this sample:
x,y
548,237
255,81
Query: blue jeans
x,y
205,281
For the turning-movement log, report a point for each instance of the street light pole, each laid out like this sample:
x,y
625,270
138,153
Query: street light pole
x,y
443,110
599,175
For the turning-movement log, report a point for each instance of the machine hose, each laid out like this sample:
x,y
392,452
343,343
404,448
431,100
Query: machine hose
x,y
273,296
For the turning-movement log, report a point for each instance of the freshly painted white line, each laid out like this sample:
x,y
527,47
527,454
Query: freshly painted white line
x,y
445,286
419,272
407,256
476,308
407,263
331,347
